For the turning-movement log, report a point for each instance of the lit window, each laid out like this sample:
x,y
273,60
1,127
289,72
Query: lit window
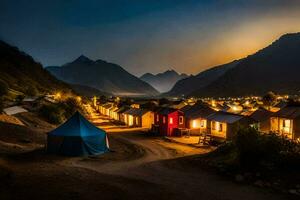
x,y
194,124
157,118
220,127
286,126
180,119
202,123
171,120
164,120
217,126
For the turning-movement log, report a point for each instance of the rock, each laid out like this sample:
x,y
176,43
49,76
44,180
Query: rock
x,y
259,183
293,191
239,178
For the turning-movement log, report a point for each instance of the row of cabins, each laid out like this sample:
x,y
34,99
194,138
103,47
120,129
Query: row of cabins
x,y
131,116
200,119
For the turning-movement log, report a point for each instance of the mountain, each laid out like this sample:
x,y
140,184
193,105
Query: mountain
x,y
163,82
275,68
201,80
88,91
20,72
102,75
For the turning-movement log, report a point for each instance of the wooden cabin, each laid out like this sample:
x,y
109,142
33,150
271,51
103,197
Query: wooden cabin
x,y
113,114
119,113
287,122
138,118
261,119
195,118
223,125
168,121
103,108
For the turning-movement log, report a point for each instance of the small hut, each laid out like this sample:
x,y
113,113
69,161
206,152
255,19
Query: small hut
x,y
223,125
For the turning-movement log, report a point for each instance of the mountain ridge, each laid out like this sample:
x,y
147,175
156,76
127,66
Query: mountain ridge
x,y
163,81
273,68
102,75
21,72
186,86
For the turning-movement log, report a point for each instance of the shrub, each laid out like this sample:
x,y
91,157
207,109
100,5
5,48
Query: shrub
x,y
259,150
3,88
246,142
70,105
52,113
32,91
1,105
19,98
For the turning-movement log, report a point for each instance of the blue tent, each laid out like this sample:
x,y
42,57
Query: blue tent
x,y
77,137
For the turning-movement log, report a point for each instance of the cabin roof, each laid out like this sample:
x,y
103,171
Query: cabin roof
x,y
136,111
166,111
198,111
225,117
261,115
115,109
122,109
281,104
290,112
185,108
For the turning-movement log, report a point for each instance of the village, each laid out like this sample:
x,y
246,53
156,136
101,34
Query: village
x,y
120,136
209,119
150,100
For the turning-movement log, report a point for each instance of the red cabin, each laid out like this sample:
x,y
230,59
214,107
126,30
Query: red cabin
x,y
168,120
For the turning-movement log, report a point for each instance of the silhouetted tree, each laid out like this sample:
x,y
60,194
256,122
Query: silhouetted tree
x,y
163,101
32,91
269,99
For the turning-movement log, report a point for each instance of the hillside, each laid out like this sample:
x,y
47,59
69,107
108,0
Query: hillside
x,y
104,76
163,82
274,68
192,83
21,72
88,91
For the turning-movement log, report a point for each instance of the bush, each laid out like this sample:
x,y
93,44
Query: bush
x,y
247,145
52,113
3,88
32,91
257,150
19,98
70,106
1,105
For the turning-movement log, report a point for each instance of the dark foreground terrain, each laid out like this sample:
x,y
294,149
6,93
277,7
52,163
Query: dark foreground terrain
x,y
139,167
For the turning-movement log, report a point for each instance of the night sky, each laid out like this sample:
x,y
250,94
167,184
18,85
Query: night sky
x,y
146,35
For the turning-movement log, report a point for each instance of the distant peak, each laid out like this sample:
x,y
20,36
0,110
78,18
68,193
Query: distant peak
x,y
289,35
100,61
148,74
171,71
83,59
